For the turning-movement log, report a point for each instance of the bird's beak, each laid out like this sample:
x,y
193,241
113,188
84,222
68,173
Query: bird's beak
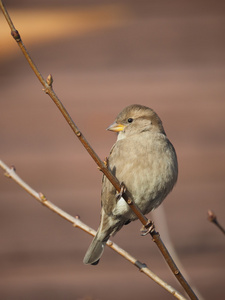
x,y
116,127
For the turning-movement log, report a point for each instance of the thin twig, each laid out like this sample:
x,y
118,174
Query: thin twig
x,y
212,218
76,222
48,90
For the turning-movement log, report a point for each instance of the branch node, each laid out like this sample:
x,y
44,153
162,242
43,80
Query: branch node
x,y
15,34
176,272
140,265
12,167
78,133
129,201
48,84
7,174
106,162
42,197
77,217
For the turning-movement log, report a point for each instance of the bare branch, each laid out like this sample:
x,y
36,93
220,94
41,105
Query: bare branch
x,y
76,222
48,90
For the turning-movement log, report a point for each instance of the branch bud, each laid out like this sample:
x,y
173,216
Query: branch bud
x,y
211,216
42,197
49,80
15,34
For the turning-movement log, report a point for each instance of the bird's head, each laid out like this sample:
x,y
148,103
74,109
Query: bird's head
x,y
135,119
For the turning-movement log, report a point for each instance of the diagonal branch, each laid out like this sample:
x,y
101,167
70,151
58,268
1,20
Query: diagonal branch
x,y
49,90
76,222
213,218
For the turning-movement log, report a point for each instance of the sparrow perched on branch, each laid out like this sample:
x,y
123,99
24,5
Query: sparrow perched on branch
x,y
145,161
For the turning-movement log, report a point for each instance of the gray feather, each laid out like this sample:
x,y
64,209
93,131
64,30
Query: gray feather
x,y
94,251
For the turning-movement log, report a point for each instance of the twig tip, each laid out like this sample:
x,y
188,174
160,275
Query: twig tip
x,y
211,216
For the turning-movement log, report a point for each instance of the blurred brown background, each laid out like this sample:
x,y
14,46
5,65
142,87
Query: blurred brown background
x,y
168,55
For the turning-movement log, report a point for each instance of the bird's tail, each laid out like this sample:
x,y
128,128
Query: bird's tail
x,y
108,226
94,251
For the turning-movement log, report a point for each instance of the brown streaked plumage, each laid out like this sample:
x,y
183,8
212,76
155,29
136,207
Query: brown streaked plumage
x,y
145,161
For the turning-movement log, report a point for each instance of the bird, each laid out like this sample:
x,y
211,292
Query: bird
x,y
145,161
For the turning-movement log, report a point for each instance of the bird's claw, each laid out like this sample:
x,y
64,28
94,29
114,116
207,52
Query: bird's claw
x,y
122,191
147,228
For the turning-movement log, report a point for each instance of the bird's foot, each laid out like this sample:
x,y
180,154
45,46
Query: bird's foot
x,y
147,228
122,191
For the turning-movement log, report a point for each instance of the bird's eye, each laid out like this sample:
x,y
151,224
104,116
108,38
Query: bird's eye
x,y
130,120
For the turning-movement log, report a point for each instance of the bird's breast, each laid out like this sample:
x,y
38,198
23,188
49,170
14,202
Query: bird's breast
x,y
148,168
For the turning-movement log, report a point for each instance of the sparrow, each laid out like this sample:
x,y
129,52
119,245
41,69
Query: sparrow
x,y
145,161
